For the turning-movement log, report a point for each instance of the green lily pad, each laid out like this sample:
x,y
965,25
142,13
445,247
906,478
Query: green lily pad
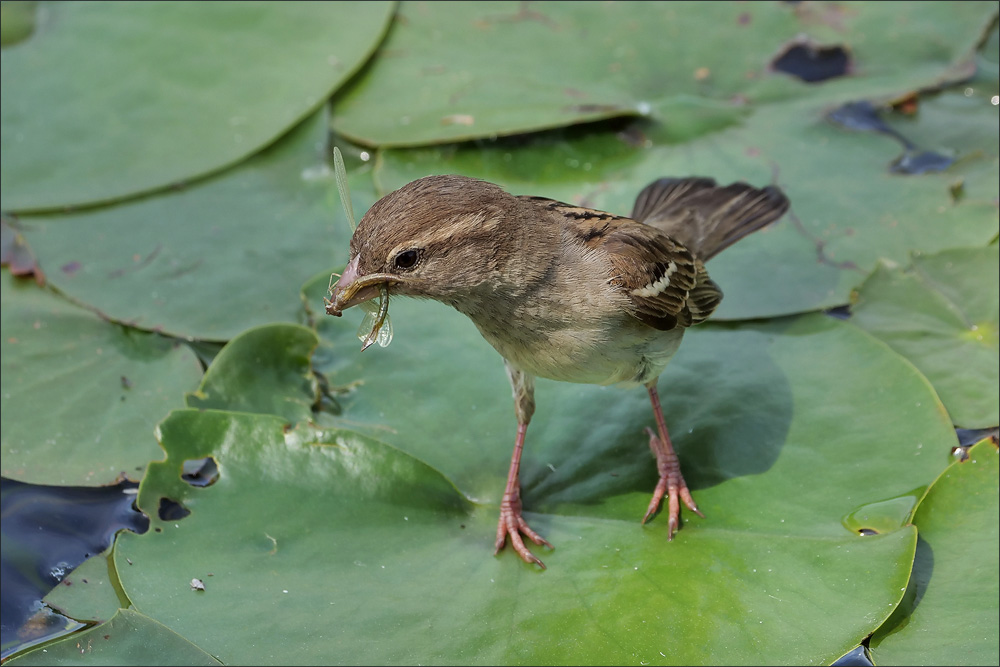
x,y
88,593
956,572
263,370
212,260
566,63
130,638
106,101
345,546
941,313
80,390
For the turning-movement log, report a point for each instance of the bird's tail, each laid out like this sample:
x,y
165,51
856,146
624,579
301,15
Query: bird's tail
x,y
705,217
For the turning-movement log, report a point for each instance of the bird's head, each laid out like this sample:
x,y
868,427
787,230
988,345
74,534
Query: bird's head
x,y
438,237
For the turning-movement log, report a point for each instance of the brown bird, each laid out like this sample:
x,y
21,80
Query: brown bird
x,y
561,291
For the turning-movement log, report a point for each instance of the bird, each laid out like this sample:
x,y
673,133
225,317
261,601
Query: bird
x,y
561,291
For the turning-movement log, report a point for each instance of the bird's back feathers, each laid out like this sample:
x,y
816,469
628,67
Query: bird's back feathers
x,y
657,257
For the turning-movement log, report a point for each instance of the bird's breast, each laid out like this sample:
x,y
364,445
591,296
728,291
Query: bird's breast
x,y
605,350
568,324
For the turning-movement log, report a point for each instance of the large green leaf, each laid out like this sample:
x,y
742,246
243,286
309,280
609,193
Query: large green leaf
x,y
214,259
107,100
956,573
81,391
478,69
942,314
351,552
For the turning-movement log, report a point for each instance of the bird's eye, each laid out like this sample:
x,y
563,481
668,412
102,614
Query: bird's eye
x,y
406,259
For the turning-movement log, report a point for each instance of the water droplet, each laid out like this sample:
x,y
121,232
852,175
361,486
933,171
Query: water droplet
x,y
884,516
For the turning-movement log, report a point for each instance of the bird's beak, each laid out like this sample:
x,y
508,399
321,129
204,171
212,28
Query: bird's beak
x,y
353,288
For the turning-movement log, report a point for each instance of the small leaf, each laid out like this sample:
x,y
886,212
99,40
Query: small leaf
x,y
949,613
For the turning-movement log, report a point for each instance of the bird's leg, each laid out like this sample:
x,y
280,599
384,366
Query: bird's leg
x,y
512,524
671,481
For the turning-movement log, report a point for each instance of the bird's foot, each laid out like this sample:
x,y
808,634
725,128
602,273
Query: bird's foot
x,y
512,524
671,484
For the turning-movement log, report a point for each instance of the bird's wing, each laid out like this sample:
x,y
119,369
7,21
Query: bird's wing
x,y
665,284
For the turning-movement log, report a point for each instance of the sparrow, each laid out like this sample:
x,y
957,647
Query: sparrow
x,y
560,291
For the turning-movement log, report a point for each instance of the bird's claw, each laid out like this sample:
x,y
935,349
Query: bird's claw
x,y
512,524
671,484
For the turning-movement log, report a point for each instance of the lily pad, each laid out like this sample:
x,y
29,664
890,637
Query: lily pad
x,y
263,370
212,260
106,101
941,313
382,561
104,385
88,593
956,573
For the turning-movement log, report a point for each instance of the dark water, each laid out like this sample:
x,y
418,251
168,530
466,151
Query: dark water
x,y
47,532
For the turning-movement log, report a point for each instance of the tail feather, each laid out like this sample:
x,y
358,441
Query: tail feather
x,y
705,217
